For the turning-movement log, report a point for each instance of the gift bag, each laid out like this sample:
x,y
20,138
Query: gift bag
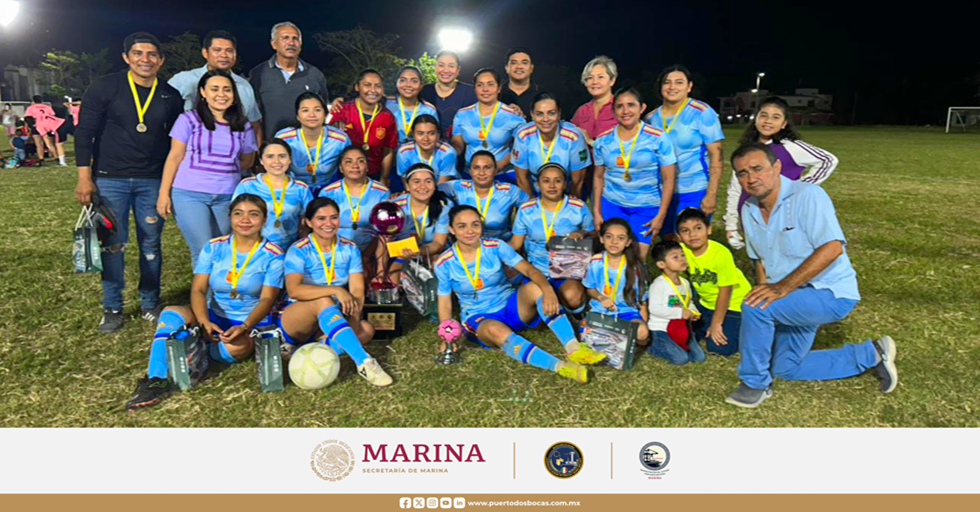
x,y
187,357
86,249
568,258
268,357
420,286
612,336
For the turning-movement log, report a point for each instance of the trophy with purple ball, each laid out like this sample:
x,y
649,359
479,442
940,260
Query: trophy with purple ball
x,y
388,219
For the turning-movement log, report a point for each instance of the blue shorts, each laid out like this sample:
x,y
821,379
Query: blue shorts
x,y
635,217
678,204
217,351
555,283
509,315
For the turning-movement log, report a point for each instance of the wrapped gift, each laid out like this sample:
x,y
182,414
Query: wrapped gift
x,y
568,258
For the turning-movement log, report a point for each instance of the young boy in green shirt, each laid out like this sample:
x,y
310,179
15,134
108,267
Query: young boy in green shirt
x,y
720,285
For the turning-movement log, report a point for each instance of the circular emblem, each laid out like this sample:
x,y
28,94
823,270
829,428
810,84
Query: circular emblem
x,y
332,460
654,456
380,132
563,460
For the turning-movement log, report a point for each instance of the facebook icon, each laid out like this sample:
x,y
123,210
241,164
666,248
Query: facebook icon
x,y
405,502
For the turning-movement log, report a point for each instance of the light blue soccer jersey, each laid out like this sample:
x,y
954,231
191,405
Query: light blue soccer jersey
x,y
652,152
424,107
595,279
505,198
293,206
496,288
570,151
334,141
501,137
574,215
264,269
375,193
697,126
443,160
302,258
431,225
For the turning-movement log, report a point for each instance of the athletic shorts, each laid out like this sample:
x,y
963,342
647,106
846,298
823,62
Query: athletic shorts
x,y
217,351
678,204
61,134
635,217
509,315
555,283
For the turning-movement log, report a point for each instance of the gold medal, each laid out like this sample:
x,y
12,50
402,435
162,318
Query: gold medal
x,y
366,147
141,128
141,108
235,273
354,226
623,160
277,224
366,129
485,146
626,177
233,294
310,168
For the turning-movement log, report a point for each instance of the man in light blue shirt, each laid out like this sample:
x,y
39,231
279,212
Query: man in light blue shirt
x,y
220,50
805,280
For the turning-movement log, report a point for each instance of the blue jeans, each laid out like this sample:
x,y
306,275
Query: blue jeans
x,y
731,327
139,195
661,345
776,341
200,217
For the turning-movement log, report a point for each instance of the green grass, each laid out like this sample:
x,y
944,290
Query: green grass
x,y
907,202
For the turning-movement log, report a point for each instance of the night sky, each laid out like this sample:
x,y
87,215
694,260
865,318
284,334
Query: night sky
x,y
903,66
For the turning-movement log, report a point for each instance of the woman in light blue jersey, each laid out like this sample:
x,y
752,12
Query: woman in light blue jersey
x,y
285,197
494,200
488,124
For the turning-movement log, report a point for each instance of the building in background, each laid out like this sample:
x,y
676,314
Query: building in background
x,y
20,83
808,106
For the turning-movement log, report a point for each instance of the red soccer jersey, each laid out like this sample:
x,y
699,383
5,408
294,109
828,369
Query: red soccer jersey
x,y
383,132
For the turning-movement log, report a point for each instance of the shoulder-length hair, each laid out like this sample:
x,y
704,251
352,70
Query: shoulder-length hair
x,y
234,116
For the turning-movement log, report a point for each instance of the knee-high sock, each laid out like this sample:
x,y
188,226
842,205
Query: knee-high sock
x,y
340,336
519,348
170,321
559,325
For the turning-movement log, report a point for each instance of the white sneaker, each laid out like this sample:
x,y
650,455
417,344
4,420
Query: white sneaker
x,y
373,373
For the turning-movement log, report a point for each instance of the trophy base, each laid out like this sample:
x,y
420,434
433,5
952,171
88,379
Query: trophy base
x,y
386,319
385,296
448,356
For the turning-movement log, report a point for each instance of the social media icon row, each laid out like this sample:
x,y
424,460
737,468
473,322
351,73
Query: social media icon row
x,y
432,502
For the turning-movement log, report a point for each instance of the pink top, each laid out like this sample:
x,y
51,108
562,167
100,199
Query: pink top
x,y
75,111
593,126
44,119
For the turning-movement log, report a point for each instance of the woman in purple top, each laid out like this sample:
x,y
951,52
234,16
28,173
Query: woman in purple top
x,y
209,147
798,160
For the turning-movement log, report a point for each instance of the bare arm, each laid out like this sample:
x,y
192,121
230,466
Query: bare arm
x,y
578,179
715,168
246,161
760,272
458,144
386,161
177,151
524,180
445,307
598,184
667,175
550,303
517,242
258,131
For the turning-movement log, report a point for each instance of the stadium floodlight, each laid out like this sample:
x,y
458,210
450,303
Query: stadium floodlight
x,y
8,11
755,91
455,39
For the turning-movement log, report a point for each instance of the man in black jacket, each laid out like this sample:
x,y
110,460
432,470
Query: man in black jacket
x,y
279,81
121,143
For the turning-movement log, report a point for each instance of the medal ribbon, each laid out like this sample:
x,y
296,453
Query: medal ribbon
x,y
663,116
277,205
619,273
319,144
333,259
685,300
476,280
407,126
355,213
549,230
547,156
485,208
422,158
622,151
374,115
485,131
235,273
141,109
419,230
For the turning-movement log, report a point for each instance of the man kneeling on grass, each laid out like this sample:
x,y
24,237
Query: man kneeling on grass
x,y
805,280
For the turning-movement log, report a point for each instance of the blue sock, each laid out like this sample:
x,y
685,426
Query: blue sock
x,y
559,325
340,336
170,321
518,348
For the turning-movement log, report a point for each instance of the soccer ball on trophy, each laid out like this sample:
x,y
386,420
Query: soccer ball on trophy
x,y
314,366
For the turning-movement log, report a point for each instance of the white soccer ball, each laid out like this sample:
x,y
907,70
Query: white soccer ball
x,y
314,366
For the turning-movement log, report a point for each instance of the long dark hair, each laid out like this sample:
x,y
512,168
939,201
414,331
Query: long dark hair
x,y
234,116
636,271
668,70
751,133
439,198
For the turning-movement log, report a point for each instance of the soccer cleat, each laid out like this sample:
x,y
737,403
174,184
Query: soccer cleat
x,y
152,315
112,321
373,373
748,397
149,392
574,371
886,369
585,355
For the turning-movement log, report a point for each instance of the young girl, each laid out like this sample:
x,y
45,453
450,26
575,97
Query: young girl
x,y
325,281
315,147
370,125
672,308
617,279
285,198
236,282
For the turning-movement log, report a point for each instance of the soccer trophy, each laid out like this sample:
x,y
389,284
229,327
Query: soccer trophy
x,y
449,331
388,219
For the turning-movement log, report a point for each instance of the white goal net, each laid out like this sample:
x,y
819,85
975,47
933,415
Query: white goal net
x,y
963,119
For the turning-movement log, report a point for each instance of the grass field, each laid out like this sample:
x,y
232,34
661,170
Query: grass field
x,y
907,199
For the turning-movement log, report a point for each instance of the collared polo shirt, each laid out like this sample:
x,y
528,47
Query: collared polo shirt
x,y
186,82
802,220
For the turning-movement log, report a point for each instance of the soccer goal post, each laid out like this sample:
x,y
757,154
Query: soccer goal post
x,y
962,117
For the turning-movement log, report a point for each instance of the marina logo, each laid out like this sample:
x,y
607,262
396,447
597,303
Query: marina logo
x,y
332,460
563,460
654,458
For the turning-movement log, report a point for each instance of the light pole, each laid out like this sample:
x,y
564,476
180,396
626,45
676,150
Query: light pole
x,y
755,92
